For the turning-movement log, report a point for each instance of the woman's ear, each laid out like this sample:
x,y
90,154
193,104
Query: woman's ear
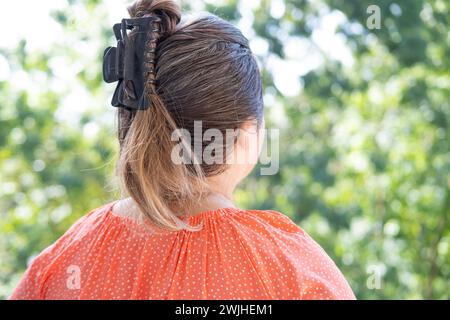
x,y
249,143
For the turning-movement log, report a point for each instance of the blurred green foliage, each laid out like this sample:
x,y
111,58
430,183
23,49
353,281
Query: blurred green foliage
x,y
365,138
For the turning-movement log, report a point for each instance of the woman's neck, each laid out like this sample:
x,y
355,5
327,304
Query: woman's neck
x,y
211,201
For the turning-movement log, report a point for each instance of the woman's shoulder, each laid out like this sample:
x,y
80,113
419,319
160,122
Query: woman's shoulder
x,y
44,264
274,242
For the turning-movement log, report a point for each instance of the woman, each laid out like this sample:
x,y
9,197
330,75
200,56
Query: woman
x,y
177,233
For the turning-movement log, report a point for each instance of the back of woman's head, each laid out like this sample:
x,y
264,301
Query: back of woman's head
x,y
202,71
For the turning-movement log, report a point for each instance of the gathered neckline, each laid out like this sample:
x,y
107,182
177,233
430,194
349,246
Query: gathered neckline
x,y
193,220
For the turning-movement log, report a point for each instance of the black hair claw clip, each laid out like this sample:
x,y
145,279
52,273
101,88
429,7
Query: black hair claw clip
x,y
125,62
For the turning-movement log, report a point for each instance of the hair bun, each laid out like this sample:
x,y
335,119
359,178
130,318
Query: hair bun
x,y
167,10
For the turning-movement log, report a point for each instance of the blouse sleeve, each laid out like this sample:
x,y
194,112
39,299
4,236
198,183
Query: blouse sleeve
x,y
325,281
32,284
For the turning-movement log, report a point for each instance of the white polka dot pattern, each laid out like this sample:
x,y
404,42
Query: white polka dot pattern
x,y
238,254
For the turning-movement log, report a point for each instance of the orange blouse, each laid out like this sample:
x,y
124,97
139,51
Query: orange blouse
x,y
238,254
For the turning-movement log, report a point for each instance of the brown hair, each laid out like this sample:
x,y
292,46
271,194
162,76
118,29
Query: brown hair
x,y
203,70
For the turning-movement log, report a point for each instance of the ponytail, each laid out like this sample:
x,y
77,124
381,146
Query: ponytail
x,y
145,168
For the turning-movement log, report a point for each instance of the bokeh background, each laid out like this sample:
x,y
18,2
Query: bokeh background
x,y
364,118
